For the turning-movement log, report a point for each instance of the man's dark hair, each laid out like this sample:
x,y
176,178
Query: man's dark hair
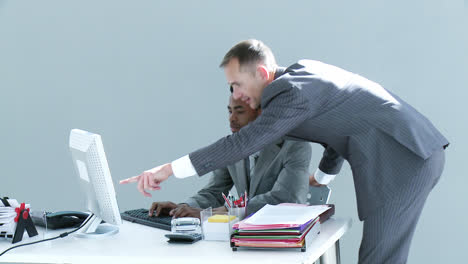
x,y
250,52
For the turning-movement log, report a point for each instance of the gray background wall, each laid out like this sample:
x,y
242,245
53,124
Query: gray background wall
x,y
144,75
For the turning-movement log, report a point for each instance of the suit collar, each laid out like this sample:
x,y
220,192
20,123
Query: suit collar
x,y
265,159
274,88
237,172
279,71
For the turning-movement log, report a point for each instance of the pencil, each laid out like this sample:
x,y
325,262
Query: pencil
x,y
227,201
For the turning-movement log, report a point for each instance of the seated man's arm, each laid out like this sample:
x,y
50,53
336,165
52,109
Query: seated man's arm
x,y
291,186
183,210
210,195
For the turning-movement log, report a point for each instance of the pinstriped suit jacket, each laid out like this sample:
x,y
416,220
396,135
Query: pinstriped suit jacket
x,y
383,138
279,176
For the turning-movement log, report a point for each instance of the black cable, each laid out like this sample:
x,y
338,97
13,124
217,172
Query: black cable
x,y
52,238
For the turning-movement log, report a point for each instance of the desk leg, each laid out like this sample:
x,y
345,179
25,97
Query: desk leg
x,y
332,255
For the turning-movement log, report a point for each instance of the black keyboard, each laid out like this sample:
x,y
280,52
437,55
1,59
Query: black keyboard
x,y
140,216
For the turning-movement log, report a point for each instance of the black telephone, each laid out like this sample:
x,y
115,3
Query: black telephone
x,y
57,220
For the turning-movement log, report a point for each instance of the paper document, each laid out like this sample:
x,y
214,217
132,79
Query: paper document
x,y
285,214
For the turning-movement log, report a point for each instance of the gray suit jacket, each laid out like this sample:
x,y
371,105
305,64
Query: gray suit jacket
x,y
384,139
280,175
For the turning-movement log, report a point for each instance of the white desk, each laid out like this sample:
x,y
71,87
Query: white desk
x,y
141,244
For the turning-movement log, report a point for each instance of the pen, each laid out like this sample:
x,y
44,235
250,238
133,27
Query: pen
x,y
230,199
227,201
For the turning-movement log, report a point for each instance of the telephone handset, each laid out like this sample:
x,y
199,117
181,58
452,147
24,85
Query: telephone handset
x,y
61,219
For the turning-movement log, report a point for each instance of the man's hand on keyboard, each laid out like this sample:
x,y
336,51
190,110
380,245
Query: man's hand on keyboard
x,y
163,208
150,179
183,210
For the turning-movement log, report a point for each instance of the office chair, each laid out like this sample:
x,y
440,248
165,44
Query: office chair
x,y
318,195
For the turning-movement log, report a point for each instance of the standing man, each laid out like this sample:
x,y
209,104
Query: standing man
x,y
396,155
276,174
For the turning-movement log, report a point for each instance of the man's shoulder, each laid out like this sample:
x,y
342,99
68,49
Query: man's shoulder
x,y
291,76
314,70
287,150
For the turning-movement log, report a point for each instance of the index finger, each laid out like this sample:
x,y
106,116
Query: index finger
x,y
183,211
159,208
131,179
153,206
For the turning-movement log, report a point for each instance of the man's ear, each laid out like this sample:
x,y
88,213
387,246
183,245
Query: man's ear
x,y
262,71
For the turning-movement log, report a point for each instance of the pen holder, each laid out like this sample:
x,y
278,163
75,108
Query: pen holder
x,y
238,212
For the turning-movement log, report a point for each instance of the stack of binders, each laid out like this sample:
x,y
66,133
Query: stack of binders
x,y
280,226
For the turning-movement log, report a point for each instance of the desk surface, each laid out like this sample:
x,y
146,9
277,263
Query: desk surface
x,y
141,244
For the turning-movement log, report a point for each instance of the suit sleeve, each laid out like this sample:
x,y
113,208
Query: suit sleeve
x,y
331,161
283,112
292,183
210,195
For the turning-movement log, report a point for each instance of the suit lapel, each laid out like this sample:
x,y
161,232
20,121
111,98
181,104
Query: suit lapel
x,y
265,159
238,176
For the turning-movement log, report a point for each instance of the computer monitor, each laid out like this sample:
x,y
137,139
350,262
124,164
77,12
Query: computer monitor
x,y
95,179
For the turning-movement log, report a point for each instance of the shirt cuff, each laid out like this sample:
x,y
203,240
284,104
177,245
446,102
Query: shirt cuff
x,y
183,168
323,178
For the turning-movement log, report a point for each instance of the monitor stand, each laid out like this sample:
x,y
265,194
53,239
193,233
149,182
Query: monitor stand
x,y
94,229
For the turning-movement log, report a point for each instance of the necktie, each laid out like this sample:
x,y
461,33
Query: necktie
x,y
247,173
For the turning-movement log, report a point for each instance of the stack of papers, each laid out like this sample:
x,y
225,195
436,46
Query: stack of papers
x,y
278,226
7,218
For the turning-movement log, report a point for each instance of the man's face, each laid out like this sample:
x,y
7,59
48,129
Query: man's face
x,y
247,84
240,114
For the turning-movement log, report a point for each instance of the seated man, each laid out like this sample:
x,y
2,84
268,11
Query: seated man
x,y
278,174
